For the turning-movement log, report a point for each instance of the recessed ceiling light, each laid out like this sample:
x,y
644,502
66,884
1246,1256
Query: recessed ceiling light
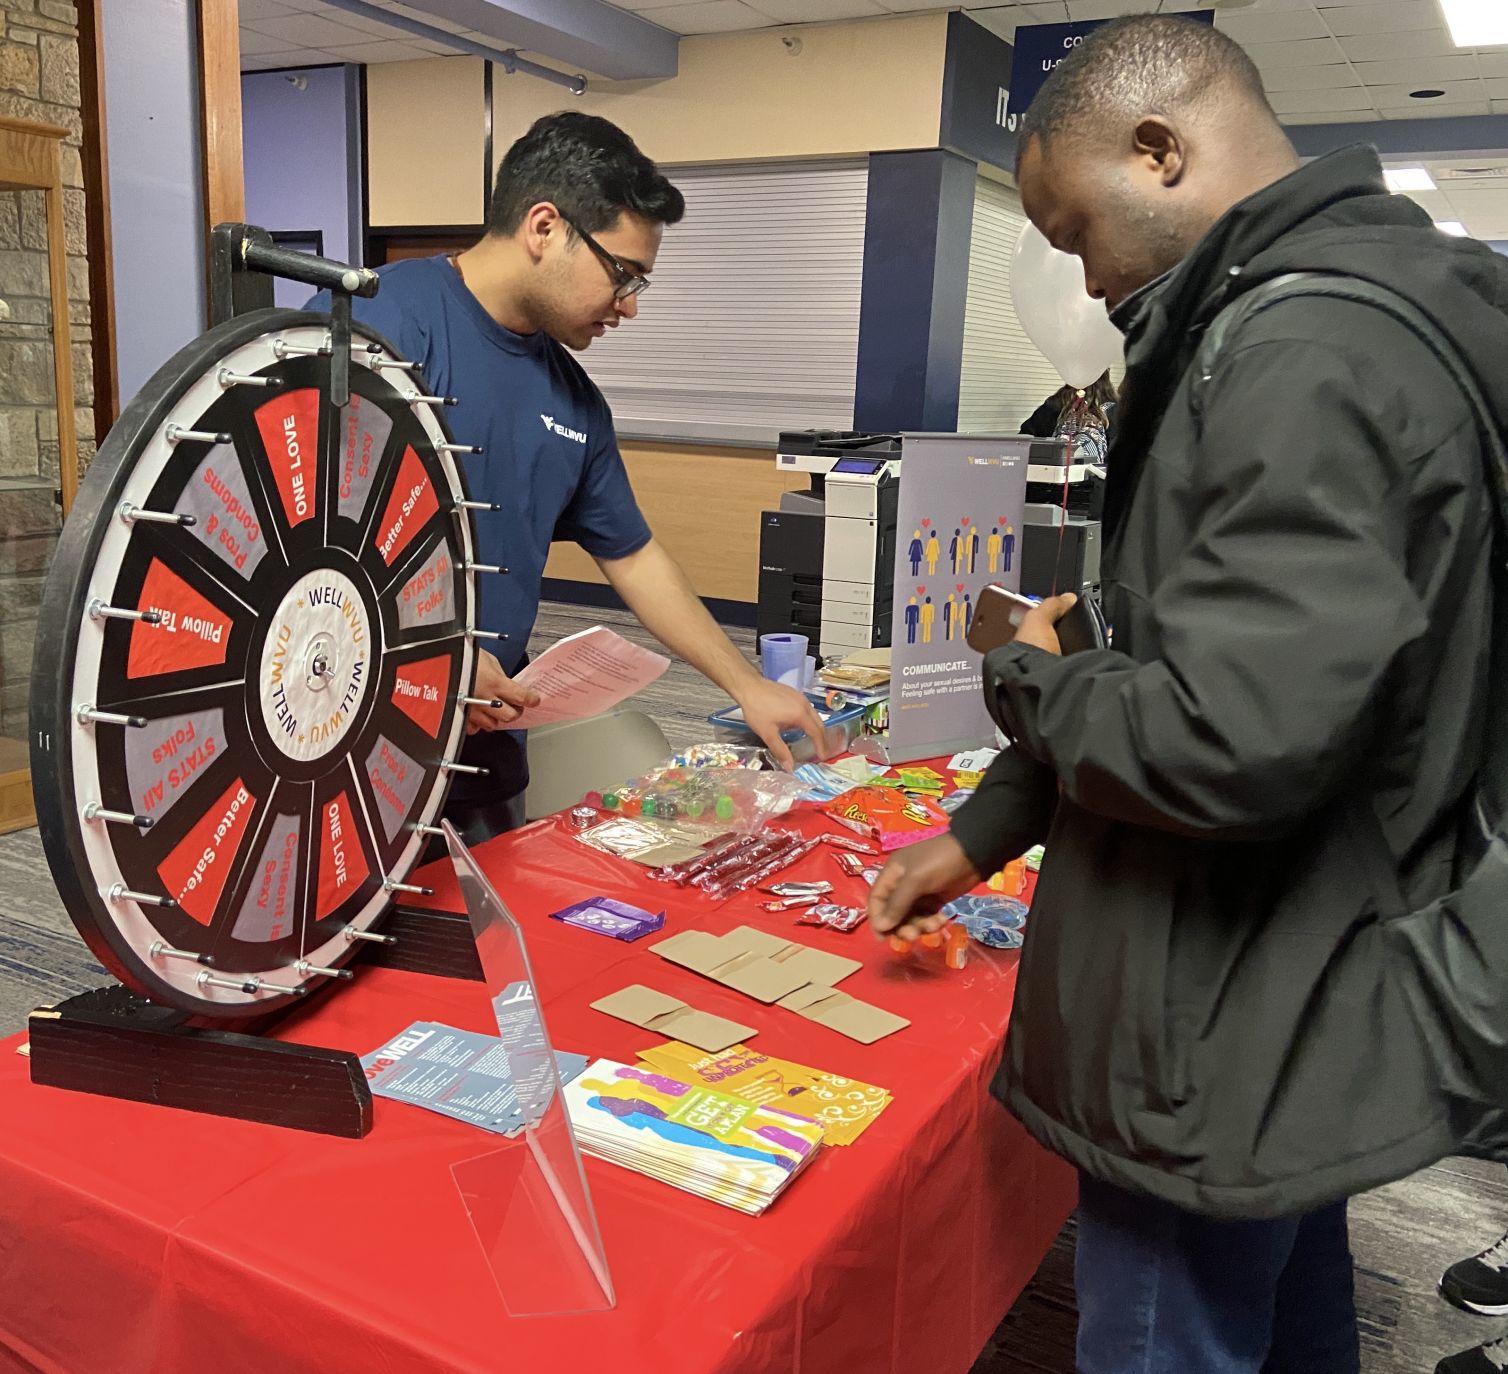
x,y
1428,93
1408,179
1476,23
1453,227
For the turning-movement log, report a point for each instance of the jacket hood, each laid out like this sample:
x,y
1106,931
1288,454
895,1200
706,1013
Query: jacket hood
x,y
1334,215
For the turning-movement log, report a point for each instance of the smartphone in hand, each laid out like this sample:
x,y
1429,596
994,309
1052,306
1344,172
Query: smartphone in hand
x,y
997,616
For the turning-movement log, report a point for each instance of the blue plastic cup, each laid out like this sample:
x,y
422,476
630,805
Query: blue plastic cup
x,y
782,658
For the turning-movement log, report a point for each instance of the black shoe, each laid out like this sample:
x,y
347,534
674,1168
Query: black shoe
x,y
1479,1284
1491,1358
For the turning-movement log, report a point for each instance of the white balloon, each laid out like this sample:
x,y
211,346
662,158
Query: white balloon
x,y
1059,315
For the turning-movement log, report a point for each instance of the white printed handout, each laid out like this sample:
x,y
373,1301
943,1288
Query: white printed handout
x,y
586,674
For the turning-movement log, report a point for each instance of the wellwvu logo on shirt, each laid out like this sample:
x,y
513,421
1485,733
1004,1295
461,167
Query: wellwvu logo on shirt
x,y
561,430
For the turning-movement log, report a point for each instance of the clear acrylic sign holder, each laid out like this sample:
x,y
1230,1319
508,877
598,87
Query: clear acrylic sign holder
x,y
528,1201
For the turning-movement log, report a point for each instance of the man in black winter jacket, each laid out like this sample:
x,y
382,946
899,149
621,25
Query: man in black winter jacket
x,y
1279,752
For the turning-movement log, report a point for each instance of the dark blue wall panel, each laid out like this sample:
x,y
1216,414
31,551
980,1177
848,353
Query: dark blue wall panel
x,y
916,259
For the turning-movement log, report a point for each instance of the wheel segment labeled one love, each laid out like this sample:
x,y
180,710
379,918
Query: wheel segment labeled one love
x,y
254,648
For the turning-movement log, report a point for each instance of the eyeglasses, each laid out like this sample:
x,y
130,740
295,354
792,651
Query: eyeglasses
x,y
626,282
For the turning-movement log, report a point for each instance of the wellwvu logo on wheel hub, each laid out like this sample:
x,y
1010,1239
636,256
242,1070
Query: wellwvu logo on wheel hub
x,y
315,665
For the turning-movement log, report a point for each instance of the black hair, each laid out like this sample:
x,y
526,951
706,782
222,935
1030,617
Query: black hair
x,y
585,166
1140,65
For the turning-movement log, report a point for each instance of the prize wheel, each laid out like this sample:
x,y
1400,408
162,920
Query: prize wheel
x,y
252,654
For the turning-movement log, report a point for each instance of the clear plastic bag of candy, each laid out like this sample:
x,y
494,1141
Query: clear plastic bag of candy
x,y
739,799
719,755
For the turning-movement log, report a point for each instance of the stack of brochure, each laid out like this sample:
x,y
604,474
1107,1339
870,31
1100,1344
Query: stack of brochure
x,y
843,1107
723,1148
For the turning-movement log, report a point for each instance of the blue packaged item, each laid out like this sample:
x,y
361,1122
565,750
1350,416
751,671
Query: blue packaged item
x,y
990,918
822,783
609,917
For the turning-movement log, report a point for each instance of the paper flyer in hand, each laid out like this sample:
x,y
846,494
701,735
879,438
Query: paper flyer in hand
x,y
718,1147
586,674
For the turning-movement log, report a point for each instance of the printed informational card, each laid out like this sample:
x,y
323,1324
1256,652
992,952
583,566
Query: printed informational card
x,y
972,760
842,1106
458,1073
586,674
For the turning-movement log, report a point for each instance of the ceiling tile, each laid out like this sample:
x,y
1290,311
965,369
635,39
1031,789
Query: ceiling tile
x,y
433,20
709,16
1331,117
1053,12
1105,9
999,20
1391,16
310,31
1437,109
368,53
303,57
1306,52
814,11
1423,71
1500,107
362,24
1385,47
1333,77
1397,97
1473,204
253,44
1319,102
1497,87
1255,26
252,10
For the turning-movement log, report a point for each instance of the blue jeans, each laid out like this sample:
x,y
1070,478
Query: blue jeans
x,y
1162,1291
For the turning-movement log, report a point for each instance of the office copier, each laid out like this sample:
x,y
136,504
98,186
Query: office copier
x,y
827,555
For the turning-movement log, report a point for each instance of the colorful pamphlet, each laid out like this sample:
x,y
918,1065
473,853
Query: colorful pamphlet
x,y
722,1148
458,1073
843,1107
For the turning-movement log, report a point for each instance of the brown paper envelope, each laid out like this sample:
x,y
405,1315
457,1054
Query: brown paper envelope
x,y
651,1010
818,965
693,949
847,1015
765,980
748,940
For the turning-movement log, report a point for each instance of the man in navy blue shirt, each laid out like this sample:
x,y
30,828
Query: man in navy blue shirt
x,y
572,234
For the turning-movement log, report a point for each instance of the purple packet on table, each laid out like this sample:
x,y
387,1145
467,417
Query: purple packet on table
x,y
609,917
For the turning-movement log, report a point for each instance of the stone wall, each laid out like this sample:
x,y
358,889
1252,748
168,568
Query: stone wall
x,y
39,79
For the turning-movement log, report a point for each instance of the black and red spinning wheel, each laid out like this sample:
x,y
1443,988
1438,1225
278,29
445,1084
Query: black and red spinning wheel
x,y
251,662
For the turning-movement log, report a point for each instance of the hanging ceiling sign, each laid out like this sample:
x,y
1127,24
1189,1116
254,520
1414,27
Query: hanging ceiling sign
x,y
1040,47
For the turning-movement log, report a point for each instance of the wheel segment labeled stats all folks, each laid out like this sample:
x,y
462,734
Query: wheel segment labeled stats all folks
x,y
256,646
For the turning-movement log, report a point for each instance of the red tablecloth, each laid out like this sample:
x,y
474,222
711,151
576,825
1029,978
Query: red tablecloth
x,y
144,1239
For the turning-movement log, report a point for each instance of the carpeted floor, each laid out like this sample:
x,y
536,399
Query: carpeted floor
x,y
1402,1235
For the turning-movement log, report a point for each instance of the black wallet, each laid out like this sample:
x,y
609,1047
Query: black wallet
x,y
1083,627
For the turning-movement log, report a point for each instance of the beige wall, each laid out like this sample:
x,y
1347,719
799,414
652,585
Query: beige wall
x,y
703,504
853,88
426,141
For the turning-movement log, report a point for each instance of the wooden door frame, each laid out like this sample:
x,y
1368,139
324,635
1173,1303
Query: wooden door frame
x,y
99,246
220,113
31,160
